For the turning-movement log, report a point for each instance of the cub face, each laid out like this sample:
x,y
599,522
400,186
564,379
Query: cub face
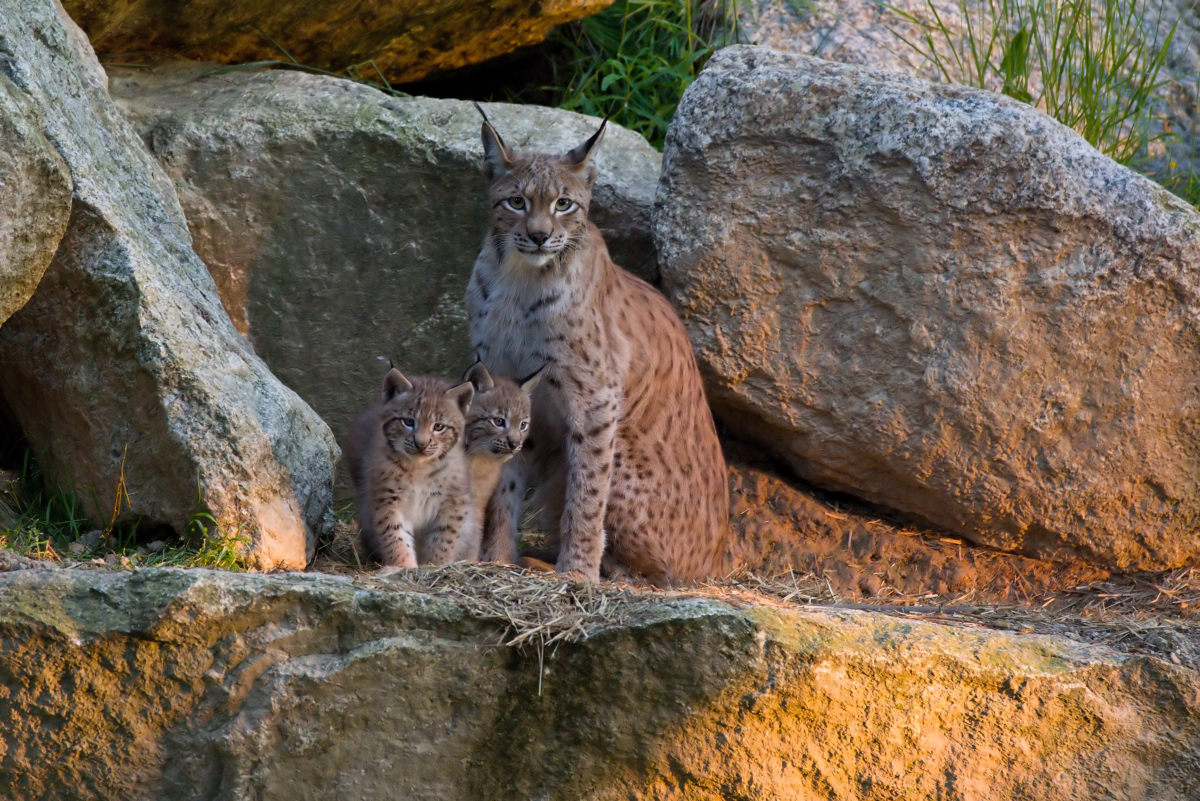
x,y
498,422
422,419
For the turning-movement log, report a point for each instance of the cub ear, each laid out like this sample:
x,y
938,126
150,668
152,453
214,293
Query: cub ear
x,y
580,159
462,394
479,377
497,158
394,383
528,384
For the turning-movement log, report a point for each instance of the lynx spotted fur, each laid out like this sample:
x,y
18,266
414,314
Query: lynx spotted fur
x,y
497,425
410,472
622,445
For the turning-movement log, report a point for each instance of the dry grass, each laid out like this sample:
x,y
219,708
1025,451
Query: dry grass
x,y
543,609
535,607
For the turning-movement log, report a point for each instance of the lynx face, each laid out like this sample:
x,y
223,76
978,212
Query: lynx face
x,y
499,418
539,202
422,419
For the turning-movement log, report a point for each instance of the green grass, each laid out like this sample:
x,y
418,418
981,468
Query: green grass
x,y
42,524
1098,67
634,59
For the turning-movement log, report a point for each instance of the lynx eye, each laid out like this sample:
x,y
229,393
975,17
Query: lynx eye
x,y
439,427
524,425
516,203
562,204
408,422
499,422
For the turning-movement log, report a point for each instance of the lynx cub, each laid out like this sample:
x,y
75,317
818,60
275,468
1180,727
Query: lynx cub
x,y
410,472
623,445
496,429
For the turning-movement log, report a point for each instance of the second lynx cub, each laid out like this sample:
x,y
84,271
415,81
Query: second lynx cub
x,y
410,472
496,429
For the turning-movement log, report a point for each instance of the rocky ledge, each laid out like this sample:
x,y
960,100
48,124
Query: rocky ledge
x,y
197,684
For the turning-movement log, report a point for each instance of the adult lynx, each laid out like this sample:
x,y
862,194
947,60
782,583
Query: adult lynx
x,y
622,445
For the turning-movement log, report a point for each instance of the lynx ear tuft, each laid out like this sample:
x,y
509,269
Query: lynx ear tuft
x,y
479,377
580,158
529,383
497,158
394,383
462,394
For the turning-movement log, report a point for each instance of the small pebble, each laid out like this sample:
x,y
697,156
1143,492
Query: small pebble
x,y
111,559
76,547
155,547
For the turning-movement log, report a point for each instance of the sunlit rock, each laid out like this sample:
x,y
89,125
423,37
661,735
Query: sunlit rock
x,y
406,40
182,685
942,301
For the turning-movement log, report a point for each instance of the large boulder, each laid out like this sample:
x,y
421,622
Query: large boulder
x,y
123,370
35,196
406,40
341,225
942,301
875,34
172,684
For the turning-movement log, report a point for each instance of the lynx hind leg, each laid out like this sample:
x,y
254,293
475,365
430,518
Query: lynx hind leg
x,y
501,528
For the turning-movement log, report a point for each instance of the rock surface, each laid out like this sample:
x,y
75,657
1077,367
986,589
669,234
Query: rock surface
x,y
124,366
868,33
174,684
861,32
341,225
35,196
407,40
776,528
942,301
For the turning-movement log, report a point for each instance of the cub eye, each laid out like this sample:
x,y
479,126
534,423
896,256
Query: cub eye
x,y
562,204
516,203
524,425
499,422
439,427
408,422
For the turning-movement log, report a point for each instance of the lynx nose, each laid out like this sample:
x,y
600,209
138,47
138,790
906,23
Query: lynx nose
x,y
539,237
514,444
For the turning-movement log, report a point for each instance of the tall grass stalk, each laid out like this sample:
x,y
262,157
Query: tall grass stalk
x,y
1097,67
635,58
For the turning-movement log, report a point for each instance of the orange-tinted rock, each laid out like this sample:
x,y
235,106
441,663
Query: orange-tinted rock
x,y
199,684
775,527
941,301
407,40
